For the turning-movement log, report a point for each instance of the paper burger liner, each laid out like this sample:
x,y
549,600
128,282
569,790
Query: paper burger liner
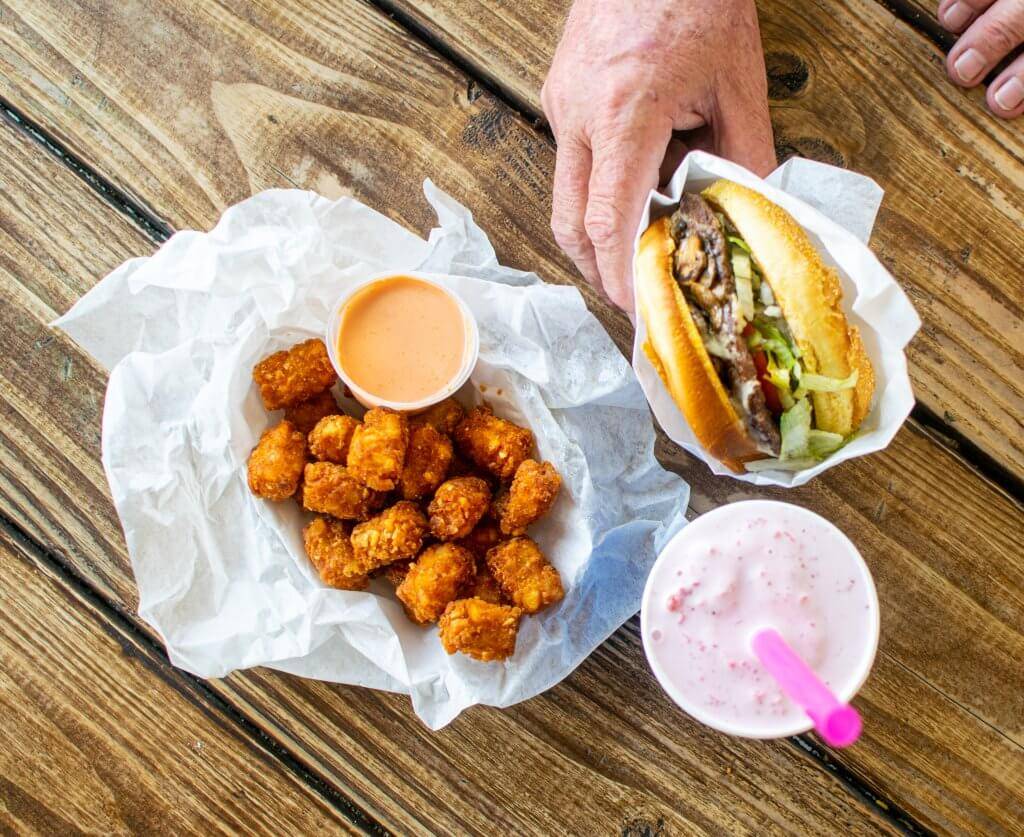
x,y
837,209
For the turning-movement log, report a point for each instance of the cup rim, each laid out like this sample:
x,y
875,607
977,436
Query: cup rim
x,y
470,357
850,688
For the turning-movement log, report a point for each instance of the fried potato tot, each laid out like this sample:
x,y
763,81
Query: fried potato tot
x,y
525,575
484,535
434,580
395,572
276,463
376,454
330,489
289,377
457,507
395,533
496,445
444,416
306,414
426,462
480,629
330,439
328,547
531,496
484,586
462,467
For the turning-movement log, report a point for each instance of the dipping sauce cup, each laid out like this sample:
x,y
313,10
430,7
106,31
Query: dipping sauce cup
x,y
402,340
736,571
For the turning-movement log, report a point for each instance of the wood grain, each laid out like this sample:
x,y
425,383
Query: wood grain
x,y
949,752
853,87
490,766
95,741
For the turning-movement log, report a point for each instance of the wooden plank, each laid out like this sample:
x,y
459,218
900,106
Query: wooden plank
x,y
928,780
854,87
95,741
490,766
952,762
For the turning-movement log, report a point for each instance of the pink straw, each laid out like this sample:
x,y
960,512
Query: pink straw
x,y
838,723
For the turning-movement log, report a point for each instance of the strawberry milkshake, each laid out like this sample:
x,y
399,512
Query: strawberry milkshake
x,y
740,569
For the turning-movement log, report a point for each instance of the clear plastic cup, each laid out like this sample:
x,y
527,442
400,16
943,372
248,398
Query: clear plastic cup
x,y
471,350
698,644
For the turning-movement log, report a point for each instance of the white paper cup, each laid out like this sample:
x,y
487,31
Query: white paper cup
x,y
714,521
471,349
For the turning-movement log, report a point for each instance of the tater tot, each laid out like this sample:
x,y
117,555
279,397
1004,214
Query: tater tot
x,y
480,629
395,572
276,463
483,585
457,507
426,462
330,438
484,535
434,580
524,574
444,417
376,454
306,414
494,444
530,497
330,489
288,377
328,548
392,535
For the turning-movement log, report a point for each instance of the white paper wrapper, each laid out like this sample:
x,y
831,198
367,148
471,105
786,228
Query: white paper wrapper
x,y
223,575
837,208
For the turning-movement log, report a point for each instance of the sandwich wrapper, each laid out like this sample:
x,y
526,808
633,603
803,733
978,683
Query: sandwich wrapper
x,y
223,576
837,209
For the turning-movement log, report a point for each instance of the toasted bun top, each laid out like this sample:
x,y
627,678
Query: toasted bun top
x,y
677,351
809,294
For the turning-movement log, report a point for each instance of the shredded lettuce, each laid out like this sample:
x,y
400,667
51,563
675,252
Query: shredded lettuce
x,y
809,382
795,427
821,443
744,283
738,242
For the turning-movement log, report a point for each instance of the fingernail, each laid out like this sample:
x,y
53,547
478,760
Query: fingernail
x,y
956,16
969,65
1010,94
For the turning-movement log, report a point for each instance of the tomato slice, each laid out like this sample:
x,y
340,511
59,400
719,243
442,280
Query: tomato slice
x,y
771,394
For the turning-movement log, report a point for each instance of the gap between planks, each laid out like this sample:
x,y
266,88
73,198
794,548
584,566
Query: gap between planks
x,y
159,231
135,641
139,645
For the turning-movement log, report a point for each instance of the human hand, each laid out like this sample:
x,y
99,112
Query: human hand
x,y
992,29
624,76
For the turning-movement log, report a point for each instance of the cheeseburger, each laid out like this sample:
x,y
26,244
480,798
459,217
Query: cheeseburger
x,y
744,326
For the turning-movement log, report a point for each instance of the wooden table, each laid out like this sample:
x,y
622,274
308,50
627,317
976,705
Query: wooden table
x,y
127,119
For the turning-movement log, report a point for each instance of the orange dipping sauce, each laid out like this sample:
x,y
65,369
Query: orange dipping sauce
x,y
401,339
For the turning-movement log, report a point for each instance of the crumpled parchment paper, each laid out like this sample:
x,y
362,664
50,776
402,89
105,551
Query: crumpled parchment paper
x,y
223,576
837,208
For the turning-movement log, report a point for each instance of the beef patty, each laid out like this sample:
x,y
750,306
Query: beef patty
x,y
704,272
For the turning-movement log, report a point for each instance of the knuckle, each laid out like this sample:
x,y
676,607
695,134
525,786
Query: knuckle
x,y
568,236
603,223
1001,36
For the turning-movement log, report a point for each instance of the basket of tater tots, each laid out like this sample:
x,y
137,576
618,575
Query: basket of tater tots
x,y
352,454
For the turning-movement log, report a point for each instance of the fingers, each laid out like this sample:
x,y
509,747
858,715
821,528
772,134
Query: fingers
x,y
955,15
569,204
743,132
990,38
625,168
1006,94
